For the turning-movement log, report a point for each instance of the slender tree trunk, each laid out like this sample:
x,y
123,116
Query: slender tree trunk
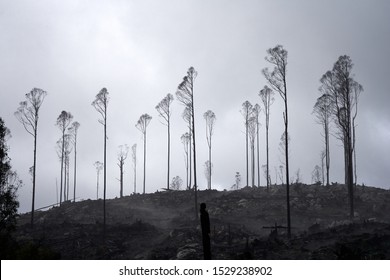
x,y
267,154
34,174
354,152
190,152
287,166
209,183
105,172
135,176
188,186
258,156
144,162
253,162
169,150
247,160
74,175
121,178
327,153
62,164
194,147
65,180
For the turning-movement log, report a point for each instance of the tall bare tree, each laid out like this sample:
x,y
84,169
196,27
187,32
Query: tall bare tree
x,y
267,98
122,156
99,166
252,136
164,110
101,105
28,115
210,118
344,90
186,139
256,114
134,160
246,112
63,121
74,130
323,113
185,95
277,56
142,124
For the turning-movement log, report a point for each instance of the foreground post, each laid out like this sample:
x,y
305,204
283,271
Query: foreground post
x,y
205,224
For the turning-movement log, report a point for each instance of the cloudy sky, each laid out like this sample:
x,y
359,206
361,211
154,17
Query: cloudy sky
x,y
140,51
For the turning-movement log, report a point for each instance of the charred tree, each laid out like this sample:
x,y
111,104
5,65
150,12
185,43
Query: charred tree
x,y
142,124
210,118
277,56
28,115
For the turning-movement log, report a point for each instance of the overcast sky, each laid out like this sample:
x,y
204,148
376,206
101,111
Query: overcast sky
x,y
141,50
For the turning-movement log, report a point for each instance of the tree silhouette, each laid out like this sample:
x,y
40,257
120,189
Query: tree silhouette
x,y
316,175
122,156
142,124
73,130
345,91
186,139
210,118
267,98
323,113
99,166
164,110
9,185
256,114
63,121
252,124
277,56
134,160
185,95
28,115
176,183
246,112
100,104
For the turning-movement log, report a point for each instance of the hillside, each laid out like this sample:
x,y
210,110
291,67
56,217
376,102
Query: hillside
x,y
162,226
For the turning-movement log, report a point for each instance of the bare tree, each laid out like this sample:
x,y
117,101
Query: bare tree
x,y
122,156
246,112
210,118
185,95
186,139
267,98
256,114
63,121
134,160
237,179
99,166
277,56
344,91
28,115
142,124
316,175
323,113
164,110
252,136
73,130
100,104
176,183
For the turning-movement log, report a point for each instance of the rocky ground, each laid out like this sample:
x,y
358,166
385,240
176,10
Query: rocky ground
x,y
163,226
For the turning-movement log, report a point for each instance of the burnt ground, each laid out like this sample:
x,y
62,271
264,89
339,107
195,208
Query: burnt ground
x,y
163,226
